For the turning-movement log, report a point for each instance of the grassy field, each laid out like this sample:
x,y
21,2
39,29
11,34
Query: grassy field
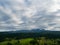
x,y
17,42
41,38
31,41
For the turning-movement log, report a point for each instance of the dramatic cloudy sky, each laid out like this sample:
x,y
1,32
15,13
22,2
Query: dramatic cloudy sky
x,y
29,14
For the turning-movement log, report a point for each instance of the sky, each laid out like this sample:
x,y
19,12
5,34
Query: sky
x,y
29,14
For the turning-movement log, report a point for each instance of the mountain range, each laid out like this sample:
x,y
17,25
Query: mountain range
x,y
28,31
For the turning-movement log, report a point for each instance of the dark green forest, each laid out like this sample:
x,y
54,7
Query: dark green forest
x,y
31,38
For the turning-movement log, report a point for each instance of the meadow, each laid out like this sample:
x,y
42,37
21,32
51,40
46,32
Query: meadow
x,y
31,41
41,38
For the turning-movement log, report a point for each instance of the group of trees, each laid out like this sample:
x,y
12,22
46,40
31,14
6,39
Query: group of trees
x,y
35,41
39,38
48,34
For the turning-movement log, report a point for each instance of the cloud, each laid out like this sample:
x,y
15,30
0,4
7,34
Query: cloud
x,y
29,14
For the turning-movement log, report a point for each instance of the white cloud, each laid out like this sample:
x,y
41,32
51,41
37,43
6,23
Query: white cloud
x,y
29,14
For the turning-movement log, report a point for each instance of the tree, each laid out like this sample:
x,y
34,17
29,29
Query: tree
x,y
17,43
9,43
34,42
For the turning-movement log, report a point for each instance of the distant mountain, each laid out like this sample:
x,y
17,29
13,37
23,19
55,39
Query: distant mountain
x,y
27,31
38,30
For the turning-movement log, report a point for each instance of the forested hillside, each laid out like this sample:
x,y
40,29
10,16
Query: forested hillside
x,y
31,38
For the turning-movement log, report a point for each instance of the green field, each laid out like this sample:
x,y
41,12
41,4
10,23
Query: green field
x,y
40,38
31,41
